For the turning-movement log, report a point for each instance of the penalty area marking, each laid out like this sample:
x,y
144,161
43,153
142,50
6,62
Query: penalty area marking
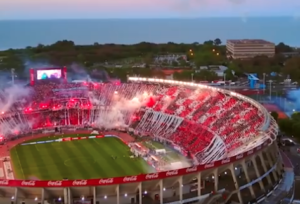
x,y
97,142
37,148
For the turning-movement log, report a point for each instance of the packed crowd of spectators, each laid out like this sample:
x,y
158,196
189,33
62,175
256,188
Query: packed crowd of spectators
x,y
200,114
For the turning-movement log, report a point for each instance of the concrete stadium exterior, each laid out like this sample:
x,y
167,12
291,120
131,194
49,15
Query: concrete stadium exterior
x,y
258,171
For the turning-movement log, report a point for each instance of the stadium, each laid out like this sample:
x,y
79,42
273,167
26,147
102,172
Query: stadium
x,y
145,141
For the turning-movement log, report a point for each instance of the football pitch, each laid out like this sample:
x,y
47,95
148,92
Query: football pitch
x,y
77,159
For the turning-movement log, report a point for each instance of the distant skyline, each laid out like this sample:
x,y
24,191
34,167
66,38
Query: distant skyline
x,y
97,9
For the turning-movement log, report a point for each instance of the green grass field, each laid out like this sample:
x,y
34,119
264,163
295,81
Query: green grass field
x,y
80,159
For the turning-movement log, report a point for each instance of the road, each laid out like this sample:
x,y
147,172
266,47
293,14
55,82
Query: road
x,y
291,152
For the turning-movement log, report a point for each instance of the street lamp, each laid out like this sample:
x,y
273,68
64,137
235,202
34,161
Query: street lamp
x,y
270,89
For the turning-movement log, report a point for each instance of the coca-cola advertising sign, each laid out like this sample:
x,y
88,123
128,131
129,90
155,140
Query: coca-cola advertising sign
x,y
28,183
225,161
172,173
79,183
151,176
4,182
208,166
130,179
106,181
240,156
191,169
250,152
54,183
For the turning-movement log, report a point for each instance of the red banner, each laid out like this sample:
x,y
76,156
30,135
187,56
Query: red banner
x,y
66,139
128,179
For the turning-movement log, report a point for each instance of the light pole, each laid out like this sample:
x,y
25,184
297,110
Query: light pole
x,y
264,81
12,76
192,76
270,90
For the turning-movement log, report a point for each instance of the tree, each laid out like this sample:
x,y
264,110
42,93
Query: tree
x,y
292,68
208,42
205,75
275,115
291,126
183,76
281,47
217,42
296,117
286,125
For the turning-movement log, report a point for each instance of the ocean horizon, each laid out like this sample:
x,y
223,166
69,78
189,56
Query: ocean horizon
x,y
22,33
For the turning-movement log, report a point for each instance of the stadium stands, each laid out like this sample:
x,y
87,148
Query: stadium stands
x,y
194,119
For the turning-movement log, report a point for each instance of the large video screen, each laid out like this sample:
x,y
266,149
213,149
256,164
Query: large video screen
x,y
48,74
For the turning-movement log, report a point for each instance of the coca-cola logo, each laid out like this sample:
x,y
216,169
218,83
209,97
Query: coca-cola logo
x,y
54,183
191,169
106,181
129,178
4,182
207,166
225,161
240,156
28,183
79,183
172,173
250,152
151,176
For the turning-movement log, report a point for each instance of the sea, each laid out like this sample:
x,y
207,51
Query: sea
x,y
23,33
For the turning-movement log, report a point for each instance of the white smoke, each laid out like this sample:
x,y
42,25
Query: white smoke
x,y
12,95
119,113
12,99
295,96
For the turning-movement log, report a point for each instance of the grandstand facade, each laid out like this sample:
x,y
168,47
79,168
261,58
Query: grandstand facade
x,y
230,138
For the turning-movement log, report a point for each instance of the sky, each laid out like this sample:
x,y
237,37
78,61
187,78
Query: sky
x,y
94,9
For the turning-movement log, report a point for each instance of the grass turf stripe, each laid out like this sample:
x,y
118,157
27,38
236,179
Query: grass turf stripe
x,y
76,160
55,163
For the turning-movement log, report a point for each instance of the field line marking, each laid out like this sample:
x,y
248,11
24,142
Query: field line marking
x,y
97,142
37,148
20,164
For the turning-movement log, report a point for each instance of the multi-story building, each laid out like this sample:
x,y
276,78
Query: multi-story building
x,y
241,49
